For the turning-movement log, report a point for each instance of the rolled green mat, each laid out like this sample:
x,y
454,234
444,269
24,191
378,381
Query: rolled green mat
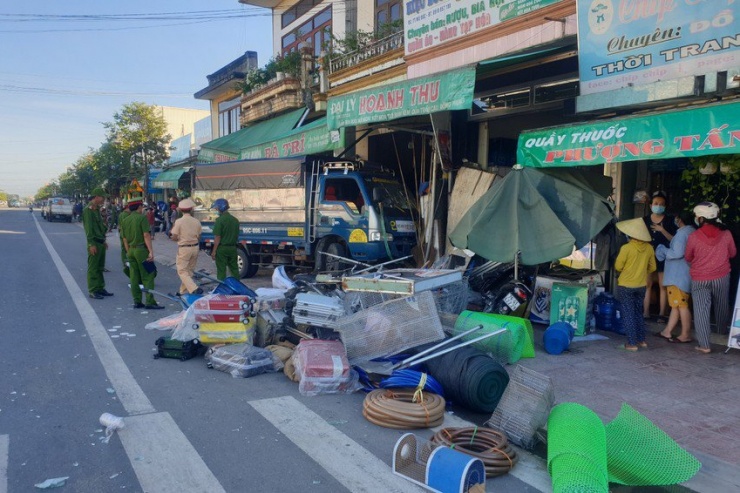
x,y
506,347
470,378
576,450
641,454
528,348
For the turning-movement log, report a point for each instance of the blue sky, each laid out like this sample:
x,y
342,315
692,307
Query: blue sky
x,y
62,78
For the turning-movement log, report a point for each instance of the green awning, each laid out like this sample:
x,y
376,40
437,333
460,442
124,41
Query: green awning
x,y
486,67
169,178
312,138
228,147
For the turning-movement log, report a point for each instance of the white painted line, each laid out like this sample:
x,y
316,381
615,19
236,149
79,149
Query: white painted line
x,y
164,459
128,391
350,463
4,448
529,468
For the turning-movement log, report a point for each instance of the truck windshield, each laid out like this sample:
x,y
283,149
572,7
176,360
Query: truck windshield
x,y
392,193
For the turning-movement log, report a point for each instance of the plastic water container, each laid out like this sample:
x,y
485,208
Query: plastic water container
x,y
557,337
607,313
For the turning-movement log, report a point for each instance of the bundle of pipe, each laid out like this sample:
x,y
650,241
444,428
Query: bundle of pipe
x,y
470,378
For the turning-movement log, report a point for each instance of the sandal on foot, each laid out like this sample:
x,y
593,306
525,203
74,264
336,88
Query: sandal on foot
x,y
703,350
642,345
676,339
658,334
627,347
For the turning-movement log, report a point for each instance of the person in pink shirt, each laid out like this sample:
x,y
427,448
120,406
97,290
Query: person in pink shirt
x,y
708,252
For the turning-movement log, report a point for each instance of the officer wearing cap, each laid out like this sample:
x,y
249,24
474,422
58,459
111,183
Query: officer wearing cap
x,y
95,230
186,232
138,244
226,234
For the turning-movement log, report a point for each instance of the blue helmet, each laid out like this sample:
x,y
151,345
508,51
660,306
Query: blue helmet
x,y
221,205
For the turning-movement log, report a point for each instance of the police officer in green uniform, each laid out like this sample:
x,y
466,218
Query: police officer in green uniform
x,y
124,256
226,234
138,244
95,230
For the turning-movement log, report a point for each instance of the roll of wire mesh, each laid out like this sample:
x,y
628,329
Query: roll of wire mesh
x,y
490,446
470,378
403,409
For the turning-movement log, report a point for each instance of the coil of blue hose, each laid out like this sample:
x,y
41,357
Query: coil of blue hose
x,y
411,379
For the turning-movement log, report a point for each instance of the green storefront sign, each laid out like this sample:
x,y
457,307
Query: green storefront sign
x,y
702,131
207,155
421,96
312,141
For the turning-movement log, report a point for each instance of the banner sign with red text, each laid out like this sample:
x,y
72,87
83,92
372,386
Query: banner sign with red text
x,y
315,140
625,43
702,131
431,23
421,96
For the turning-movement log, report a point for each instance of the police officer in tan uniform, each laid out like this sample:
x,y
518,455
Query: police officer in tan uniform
x,y
186,232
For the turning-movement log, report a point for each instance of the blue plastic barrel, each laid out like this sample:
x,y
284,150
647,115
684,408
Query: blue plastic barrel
x,y
605,312
557,337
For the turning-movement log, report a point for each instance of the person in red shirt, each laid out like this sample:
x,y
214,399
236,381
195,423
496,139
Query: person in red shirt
x,y
708,252
150,217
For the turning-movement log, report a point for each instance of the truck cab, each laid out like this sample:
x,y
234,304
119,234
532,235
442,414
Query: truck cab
x,y
327,210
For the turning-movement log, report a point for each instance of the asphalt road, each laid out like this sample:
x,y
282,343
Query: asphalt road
x,y
67,359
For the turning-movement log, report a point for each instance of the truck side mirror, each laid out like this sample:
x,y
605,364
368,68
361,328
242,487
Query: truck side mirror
x,y
378,195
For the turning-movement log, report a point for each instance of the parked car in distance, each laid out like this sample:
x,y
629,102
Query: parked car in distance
x,y
57,208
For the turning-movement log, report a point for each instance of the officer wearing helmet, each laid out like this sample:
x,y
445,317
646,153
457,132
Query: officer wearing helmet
x,y
226,234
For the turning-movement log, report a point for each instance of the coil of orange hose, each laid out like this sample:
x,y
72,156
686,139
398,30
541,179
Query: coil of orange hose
x,y
490,446
395,408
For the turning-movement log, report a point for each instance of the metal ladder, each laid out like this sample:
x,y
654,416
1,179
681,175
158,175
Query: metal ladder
x,y
313,201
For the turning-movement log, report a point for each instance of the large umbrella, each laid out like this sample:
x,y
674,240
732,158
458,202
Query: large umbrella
x,y
532,213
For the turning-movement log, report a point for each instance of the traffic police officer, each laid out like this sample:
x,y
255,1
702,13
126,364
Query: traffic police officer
x,y
124,257
138,244
226,234
95,230
186,232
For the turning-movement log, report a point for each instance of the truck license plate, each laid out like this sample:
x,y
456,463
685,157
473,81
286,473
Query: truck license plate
x,y
511,302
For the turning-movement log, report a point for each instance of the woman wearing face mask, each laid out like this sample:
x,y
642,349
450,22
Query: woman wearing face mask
x,y
708,252
662,229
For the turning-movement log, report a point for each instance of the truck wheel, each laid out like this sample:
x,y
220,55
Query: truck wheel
x,y
246,264
326,263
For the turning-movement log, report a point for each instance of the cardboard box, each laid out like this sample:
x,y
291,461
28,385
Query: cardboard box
x,y
539,307
571,303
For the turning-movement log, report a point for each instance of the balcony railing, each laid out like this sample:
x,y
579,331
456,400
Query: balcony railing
x,y
380,47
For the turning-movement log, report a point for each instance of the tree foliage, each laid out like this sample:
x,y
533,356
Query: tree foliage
x,y
715,179
135,138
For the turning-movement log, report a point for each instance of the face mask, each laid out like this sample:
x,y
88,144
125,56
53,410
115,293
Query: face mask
x,y
675,223
658,209
696,221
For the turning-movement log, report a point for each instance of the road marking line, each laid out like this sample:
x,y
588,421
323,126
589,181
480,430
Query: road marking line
x,y
164,459
350,463
4,448
127,390
170,462
529,468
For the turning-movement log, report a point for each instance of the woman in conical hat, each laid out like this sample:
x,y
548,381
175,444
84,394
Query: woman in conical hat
x,y
636,260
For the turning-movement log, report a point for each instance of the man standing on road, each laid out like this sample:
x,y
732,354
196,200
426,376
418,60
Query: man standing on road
x,y
226,234
186,232
124,256
95,230
138,244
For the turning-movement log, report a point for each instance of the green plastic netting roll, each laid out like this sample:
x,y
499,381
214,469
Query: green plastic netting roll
x,y
641,454
576,450
506,347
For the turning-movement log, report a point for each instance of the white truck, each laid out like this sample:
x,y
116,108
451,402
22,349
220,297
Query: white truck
x,y
58,208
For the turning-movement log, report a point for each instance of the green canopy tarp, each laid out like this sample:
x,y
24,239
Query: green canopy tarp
x,y
533,213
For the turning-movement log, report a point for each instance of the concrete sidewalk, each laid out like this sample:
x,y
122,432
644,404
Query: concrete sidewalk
x,y
690,396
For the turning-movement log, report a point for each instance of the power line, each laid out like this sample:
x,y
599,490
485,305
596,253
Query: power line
x,y
74,92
